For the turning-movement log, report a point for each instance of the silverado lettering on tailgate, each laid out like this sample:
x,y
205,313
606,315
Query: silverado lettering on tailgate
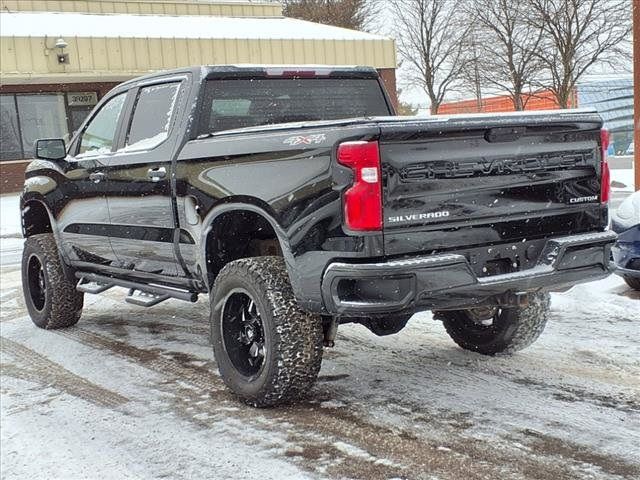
x,y
418,216
495,166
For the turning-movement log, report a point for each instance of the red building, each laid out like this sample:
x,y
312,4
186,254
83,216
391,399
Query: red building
x,y
543,100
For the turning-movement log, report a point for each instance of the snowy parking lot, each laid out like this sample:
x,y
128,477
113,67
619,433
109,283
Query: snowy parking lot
x,y
135,393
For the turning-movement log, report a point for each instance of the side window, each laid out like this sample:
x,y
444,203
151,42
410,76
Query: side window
x,y
99,135
152,116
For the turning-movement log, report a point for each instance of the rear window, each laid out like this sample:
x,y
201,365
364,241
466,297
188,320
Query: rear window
x,y
240,103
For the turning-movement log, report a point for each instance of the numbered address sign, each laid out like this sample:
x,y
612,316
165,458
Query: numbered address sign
x,y
81,99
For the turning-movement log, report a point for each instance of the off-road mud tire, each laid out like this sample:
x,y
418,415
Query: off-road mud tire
x,y
633,282
62,305
512,329
293,336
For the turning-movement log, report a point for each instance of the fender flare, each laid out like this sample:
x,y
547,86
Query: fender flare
x,y
226,207
30,197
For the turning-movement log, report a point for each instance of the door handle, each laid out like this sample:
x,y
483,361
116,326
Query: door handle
x,y
97,177
156,174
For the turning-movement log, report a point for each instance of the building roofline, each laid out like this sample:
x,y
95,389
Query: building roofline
x,y
245,8
122,25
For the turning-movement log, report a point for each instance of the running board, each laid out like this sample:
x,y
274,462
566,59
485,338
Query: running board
x,y
87,286
148,295
144,299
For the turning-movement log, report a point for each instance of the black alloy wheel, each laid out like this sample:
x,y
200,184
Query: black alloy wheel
x,y
49,293
267,349
498,330
243,333
36,282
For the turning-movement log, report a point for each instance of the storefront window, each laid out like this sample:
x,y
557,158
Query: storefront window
x,y
10,144
26,117
77,115
41,116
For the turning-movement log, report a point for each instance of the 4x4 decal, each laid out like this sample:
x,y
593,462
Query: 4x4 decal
x,y
305,139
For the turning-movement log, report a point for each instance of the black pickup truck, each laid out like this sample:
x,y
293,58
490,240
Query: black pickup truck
x,y
297,201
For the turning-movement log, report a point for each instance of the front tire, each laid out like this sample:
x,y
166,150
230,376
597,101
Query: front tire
x,y
52,300
268,349
500,330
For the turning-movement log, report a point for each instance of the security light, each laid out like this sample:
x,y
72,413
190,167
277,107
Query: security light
x,y
63,58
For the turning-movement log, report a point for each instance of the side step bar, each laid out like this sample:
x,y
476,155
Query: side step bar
x,y
86,286
144,299
149,294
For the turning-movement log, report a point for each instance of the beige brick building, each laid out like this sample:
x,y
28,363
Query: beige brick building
x,y
58,57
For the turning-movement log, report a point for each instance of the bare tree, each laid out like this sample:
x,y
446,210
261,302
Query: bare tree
x,y
579,34
430,36
504,48
353,14
405,109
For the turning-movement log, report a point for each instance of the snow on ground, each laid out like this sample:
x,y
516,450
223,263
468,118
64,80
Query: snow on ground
x,y
10,250
134,393
10,216
622,179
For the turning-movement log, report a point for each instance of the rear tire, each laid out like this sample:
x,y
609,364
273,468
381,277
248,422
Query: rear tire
x,y
52,300
633,282
505,332
268,349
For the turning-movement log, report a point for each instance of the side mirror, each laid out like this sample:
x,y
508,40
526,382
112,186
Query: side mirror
x,y
51,149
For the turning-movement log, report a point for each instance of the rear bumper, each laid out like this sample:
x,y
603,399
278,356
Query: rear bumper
x,y
447,280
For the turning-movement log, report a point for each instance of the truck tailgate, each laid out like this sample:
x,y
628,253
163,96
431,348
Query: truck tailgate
x,y
456,183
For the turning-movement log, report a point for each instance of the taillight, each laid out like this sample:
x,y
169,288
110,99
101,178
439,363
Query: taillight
x,y
605,175
363,200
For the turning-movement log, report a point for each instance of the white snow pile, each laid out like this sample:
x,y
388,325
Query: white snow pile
x,y
622,179
10,216
156,26
628,213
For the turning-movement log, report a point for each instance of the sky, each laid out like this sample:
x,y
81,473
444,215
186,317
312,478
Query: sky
x,y
416,96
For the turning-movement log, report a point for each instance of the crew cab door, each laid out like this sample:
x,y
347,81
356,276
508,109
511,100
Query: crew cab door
x,y
139,179
83,217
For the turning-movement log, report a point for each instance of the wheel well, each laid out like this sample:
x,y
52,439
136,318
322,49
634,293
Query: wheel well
x,y
35,219
239,234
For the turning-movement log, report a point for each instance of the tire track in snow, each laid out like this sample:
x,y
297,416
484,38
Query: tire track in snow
x,y
36,368
200,396
336,441
502,377
152,359
154,327
567,393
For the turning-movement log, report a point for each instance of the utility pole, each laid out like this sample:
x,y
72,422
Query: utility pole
x,y
476,74
636,89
